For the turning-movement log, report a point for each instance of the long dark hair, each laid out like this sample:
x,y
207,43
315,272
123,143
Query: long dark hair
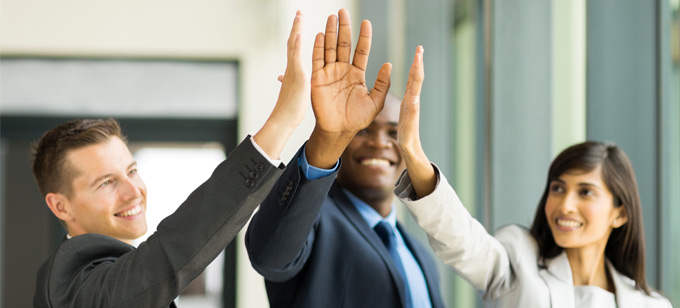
x,y
626,245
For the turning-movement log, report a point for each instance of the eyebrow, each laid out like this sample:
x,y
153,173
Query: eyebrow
x,y
589,184
99,179
579,184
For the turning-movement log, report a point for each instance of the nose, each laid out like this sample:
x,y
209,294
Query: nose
x,y
380,139
129,189
569,203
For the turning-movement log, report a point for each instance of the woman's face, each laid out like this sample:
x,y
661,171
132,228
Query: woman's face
x,y
580,209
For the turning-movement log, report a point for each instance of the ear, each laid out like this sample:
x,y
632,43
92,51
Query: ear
x,y
58,205
622,219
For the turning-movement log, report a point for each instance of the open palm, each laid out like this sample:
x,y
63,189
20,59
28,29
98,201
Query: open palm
x,y
340,99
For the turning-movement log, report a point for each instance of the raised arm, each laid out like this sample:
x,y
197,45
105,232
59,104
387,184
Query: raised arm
x,y
455,236
281,235
293,97
408,133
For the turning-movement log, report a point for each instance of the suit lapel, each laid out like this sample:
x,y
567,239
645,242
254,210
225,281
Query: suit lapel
x,y
426,265
557,276
626,294
354,217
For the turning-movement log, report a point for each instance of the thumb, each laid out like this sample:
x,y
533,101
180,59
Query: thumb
x,y
382,84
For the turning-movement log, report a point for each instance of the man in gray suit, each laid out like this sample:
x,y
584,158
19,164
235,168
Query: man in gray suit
x,y
90,182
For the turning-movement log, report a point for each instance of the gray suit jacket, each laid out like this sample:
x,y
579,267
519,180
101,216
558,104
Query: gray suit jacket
x,y
504,268
94,270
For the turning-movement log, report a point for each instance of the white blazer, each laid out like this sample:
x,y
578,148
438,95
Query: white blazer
x,y
504,268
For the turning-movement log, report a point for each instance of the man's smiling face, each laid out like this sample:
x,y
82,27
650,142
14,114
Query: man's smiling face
x,y
109,197
372,162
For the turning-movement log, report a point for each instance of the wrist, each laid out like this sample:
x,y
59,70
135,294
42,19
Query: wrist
x,y
413,152
324,149
272,137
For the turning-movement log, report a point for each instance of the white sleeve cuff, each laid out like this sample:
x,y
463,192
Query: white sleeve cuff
x,y
274,162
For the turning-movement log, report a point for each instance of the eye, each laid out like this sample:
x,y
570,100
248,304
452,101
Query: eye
x,y
106,184
586,192
392,133
132,171
556,188
362,132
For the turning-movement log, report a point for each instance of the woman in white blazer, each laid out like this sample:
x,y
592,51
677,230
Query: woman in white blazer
x,y
584,249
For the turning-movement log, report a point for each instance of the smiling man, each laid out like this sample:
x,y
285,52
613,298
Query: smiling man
x,y
320,245
90,183
325,243
89,180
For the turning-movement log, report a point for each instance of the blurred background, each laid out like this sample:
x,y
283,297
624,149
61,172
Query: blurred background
x,y
509,84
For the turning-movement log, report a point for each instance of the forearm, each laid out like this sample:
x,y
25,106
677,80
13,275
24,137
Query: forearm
x,y
278,238
215,212
273,135
455,236
420,170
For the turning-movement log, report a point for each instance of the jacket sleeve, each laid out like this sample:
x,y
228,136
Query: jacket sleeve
x,y
457,238
155,273
281,234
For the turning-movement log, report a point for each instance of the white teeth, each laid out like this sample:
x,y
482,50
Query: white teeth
x,y
375,162
136,210
568,223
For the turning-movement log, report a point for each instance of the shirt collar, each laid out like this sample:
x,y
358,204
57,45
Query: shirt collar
x,y
369,214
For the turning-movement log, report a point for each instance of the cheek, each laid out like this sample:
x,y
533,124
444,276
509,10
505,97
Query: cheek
x,y
142,187
550,206
596,215
90,209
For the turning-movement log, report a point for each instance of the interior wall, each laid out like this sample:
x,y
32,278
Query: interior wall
x,y
253,33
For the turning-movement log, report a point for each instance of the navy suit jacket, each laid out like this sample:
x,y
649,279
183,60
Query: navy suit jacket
x,y
316,250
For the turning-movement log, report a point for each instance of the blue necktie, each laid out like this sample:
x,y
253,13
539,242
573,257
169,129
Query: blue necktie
x,y
388,238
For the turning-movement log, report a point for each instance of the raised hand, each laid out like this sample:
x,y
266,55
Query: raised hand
x,y
341,102
293,98
419,168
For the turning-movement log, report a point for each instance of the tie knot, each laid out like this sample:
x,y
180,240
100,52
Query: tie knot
x,y
385,233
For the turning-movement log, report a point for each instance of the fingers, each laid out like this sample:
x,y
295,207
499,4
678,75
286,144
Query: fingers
x,y
318,53
382,83
297,51
344,37
416,74
295,33
410,105
331,39
363,46
280,78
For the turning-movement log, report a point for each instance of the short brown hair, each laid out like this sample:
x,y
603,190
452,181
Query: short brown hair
x,y
626,245
49,155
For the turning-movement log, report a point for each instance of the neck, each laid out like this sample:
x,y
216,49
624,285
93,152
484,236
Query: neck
x,y
588,267
380,201
383,206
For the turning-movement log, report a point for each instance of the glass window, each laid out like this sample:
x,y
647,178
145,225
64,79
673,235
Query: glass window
x,y
171,172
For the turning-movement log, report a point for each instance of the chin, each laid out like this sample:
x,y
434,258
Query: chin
x,y
137,233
